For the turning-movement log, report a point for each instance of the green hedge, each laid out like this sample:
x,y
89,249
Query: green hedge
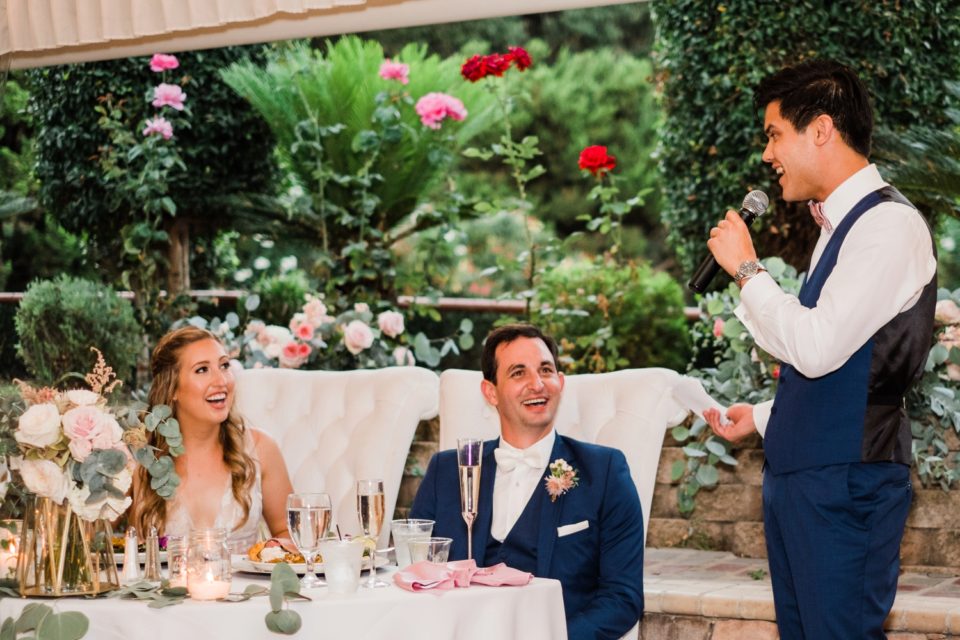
x,y
710,56
59,320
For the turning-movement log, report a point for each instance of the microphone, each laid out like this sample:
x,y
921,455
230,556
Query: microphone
x,y
754,204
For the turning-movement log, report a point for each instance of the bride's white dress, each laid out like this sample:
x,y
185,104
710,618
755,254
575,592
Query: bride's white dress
x,y
241,535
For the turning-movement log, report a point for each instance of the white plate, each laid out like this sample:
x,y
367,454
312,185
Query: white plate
x,y
141,557
244,564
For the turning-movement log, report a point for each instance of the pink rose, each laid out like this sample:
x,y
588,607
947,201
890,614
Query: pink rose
x,y
361,307
304,331
162,62
403,357
947,312
80,449
110,435
158,125
168,95
390,70
316,312
303,350
391,323
290,356
357,336
718,327
45,479
433,108
83,423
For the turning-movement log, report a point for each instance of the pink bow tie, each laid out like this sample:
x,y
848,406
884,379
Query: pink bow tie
x,y
509,459
816,210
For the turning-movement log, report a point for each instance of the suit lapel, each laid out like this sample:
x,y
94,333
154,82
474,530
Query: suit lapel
x,y
481,526
549,512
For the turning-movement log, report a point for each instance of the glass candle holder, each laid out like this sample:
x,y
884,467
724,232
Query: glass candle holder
x,y
9,548
208,564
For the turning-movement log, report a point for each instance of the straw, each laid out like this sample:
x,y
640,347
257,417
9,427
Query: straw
x,y
340,537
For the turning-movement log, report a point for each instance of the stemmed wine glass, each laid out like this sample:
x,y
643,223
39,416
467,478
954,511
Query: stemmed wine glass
x,y
308,516
370,507
468,459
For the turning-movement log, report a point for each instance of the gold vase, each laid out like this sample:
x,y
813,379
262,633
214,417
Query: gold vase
x,y
63,555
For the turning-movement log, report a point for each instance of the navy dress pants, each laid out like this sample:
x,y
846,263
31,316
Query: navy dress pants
x,y
833,540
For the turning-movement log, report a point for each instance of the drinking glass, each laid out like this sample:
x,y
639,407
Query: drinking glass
x,y
308,516
469,451
370,507
403,532
435,550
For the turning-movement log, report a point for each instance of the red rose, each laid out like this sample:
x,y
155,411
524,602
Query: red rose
x,y
776,372
474,69
596,160
496,64
520,57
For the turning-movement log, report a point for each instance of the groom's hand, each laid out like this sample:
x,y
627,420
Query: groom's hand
x,y
740,422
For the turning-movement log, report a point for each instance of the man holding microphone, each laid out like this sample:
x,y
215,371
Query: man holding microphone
x,y
837,441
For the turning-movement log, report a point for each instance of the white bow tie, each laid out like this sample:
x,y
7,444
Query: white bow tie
x,y
508,459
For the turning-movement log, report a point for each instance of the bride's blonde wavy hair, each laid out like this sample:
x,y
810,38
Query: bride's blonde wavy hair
x,y
149,509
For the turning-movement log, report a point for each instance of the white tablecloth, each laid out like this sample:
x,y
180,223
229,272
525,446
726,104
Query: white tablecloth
x,y
531,612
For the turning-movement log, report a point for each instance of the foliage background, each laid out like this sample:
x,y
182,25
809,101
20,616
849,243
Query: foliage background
x,y
710,55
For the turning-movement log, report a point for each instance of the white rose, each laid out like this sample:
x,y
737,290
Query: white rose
x,y
357,336
39,426
947,312
45,478
82,397
391,323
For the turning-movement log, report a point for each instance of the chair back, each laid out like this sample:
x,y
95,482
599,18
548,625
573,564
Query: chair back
x,y
629,410
337,427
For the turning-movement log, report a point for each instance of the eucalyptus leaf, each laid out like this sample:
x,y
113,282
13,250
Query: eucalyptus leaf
x,y
707,476
282,580
69,625
286,621
162,411
31,615
8,630
716,448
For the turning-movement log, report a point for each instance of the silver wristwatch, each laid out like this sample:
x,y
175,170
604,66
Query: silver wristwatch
x,y
747,269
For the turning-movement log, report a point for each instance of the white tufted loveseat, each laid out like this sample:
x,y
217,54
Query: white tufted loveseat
x,y
337,427
629,410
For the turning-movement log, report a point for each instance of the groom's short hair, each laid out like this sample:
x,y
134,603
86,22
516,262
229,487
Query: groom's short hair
x,y
506,334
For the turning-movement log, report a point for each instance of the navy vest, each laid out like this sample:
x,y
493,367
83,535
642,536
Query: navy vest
x,y
519,548
855,413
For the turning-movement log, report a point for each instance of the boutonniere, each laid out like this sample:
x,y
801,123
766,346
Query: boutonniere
x,y
562,478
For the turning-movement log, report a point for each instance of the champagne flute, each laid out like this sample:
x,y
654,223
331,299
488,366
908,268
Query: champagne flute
x,y
468,459
308,516
370,507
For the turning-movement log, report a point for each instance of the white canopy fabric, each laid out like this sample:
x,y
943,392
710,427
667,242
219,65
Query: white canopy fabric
x,y
47,32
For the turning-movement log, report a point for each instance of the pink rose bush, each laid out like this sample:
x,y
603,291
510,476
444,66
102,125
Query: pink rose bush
x,y
434,108
164,95
398,71
74,449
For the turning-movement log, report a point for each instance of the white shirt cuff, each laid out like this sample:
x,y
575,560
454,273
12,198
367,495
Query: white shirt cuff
x,y
761,416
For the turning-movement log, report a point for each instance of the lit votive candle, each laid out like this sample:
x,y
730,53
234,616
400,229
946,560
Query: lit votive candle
x,y
9,537
207,588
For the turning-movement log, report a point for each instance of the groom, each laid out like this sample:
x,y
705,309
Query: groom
x,y
584,529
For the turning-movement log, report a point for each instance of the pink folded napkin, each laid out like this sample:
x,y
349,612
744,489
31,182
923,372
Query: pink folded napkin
x,y
421,576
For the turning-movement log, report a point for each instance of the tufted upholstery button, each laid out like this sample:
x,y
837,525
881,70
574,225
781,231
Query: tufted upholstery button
x,y
337,427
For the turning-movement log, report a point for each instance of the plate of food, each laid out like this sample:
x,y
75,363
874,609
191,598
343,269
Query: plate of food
x,y
261,559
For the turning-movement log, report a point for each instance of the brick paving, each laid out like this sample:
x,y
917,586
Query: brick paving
x,y
722,593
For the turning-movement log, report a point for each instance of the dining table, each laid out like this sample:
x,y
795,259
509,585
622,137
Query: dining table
x,y
531,612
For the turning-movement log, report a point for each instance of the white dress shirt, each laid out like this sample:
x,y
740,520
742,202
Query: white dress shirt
x,y
512,489
884,263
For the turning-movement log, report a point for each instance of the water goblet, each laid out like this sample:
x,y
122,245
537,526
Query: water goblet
x,y
308,517
370,507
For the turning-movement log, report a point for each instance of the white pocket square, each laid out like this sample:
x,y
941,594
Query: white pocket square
x,y
567,529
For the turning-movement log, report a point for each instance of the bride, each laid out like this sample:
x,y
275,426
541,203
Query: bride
x,y
231,475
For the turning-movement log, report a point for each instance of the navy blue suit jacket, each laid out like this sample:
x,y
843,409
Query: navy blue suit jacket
x,y
600,567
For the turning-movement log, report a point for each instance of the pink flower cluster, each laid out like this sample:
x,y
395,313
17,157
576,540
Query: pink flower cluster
x,y
562,478
164,95
398,71
159,125
434,108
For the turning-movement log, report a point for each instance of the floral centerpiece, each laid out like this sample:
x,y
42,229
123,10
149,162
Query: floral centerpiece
x,y
77,462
